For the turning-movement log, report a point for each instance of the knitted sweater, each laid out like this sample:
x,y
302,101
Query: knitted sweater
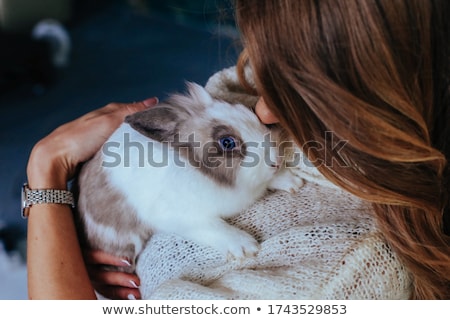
x,y
319,243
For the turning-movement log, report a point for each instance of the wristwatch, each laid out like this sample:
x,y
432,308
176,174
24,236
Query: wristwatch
x,y
38,196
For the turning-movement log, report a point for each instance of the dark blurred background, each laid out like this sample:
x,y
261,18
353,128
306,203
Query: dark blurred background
x,y
120,50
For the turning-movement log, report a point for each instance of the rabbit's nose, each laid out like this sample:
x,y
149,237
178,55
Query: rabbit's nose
x,y
275,166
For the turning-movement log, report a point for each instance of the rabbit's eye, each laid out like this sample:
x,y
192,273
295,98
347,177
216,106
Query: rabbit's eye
x,y
227,143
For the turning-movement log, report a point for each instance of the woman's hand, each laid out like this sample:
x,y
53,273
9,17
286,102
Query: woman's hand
x,y
111,284
54,159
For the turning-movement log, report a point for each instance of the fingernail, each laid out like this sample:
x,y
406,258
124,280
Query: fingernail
x,y
133,284
131,297
126,263
150,102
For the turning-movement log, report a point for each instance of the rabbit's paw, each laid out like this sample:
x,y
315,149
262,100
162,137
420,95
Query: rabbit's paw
x,y
230,241
239,245
286,180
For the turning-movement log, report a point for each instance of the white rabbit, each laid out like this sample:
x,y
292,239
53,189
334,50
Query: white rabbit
x,y
179,167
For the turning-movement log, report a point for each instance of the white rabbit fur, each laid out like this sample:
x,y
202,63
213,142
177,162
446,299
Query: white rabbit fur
x,y
121,204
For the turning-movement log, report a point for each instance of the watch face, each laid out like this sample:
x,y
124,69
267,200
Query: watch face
x,y
24,201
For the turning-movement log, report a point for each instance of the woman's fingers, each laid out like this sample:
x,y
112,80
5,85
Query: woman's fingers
x,y
113,278
119,293
98,257
89,132
110,283
114,284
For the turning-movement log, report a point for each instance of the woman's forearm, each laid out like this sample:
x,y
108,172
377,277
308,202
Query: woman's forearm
x,y
56,269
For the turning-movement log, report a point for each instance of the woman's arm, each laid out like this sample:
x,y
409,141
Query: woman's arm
x,y
56,269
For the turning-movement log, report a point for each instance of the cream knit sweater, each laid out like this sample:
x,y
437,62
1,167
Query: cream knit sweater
x,y
320,243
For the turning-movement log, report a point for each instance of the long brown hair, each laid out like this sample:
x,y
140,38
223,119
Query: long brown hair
x,y
376,74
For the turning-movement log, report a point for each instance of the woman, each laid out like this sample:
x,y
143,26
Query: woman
x,y
373,72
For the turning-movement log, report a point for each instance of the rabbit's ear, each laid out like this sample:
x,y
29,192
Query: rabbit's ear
x,y
158,123
199,94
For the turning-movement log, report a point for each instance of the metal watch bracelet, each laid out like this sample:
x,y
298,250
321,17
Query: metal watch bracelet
x,y
31,197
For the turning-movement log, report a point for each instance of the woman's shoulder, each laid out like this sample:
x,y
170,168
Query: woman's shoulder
x,y
314,205
330,240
